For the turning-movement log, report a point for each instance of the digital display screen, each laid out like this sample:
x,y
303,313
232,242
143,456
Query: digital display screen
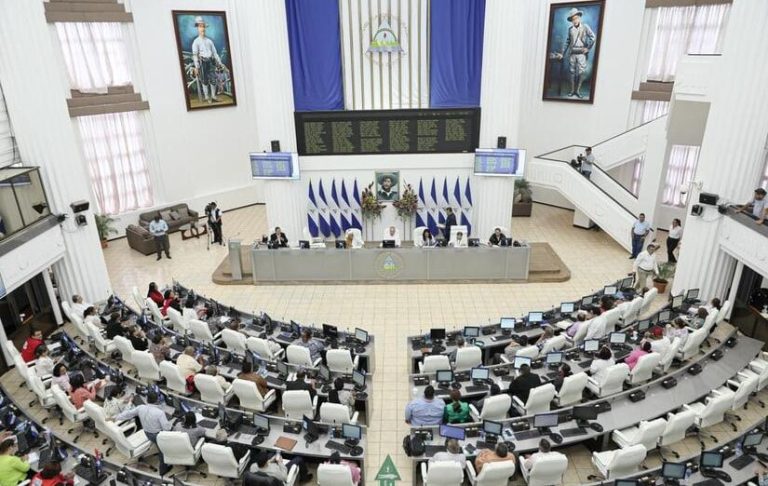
x,y
480,373
677,301
554,358
351,431
358,378
566,307
692,294
508,322
671,470
449,432
274,165
711,459
493,428
535,317
260,422
500,162
444,376
618,338
591,345
643,325
521,360
665,316
545,420
471,331
609,290
361,335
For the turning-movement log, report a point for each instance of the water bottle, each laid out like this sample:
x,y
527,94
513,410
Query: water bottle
x,y
739,450
688,473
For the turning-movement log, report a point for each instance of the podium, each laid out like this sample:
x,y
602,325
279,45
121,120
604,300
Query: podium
x,y
235,260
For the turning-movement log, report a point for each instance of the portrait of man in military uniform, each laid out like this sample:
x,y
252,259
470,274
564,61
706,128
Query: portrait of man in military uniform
x,y
205,57
388,186
573,47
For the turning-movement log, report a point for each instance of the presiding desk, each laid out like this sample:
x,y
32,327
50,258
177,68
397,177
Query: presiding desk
x,y
390,264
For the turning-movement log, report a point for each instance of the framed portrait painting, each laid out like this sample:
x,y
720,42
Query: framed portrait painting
x,y
205,58
388,186
573,50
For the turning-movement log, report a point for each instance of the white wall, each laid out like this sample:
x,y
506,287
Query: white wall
x,y
22,263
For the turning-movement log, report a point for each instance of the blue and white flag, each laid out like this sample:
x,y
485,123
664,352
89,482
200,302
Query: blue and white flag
x,y
325,228
466,213
356,208
432,211
345,208
422,205
311,211
333,210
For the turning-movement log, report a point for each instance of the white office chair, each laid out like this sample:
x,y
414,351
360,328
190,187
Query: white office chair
x,y
337,414
102,344
692,344
580,335
492,473
234,340
494,408
669,356
210,389
221,461
548,470
711,412
146,365
743,387
611,383
263,349
572,389
458,228
357,237
648,299
250,397
646,433
634,310
154,311
340,361
141,302
317,242
96,413
297,404
759,368
202,331
432,364
467,358
43,396
134,446
80,326
72,414
334,475
528,352
300,356
723,312
177,320
619,462
539,399
625,309
178,451
418,242
125,347
643,370
612,319
554,343
442,473
173,378
677,424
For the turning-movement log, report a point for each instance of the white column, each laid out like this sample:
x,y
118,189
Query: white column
x,y
731,153
52,297
36,87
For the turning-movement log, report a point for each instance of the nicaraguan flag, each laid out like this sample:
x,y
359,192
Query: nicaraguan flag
x,y
333,210
311,210
422,204
466,213
431,222
457,194
325,228
356,209
468,194
345,210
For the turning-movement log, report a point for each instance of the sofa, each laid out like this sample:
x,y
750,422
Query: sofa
x,y
176,216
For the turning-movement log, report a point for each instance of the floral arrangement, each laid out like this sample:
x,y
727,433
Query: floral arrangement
x,y
369,205
408,203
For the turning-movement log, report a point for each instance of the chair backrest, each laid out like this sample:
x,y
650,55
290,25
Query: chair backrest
x,y
80,325
146,365
496,407
234,340
176,448
648,433
548,470
201,330
125,347
334,475
299,356
432,364
627,461
634,309
334,413
528,351
714,412
747,386
496,473
99,340
468,357
553,344
140,302
539,398
96,413
444,473
339,360
690,347
173,378
677,424
669,355
611,319
118,437
572,389
67,407
417,232
260,347
723,312
613,380
643,370
459,228
648,298
154,310
21,367
177,320
209,388
248,394
221,460
296,404
35,383
67,310
581,333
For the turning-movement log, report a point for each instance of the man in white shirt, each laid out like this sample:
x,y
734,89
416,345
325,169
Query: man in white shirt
x,y
758,206
452,453
206,59
601,363
393,234
187,363
596,329
645,266
640,229
78,306
459,242
545,450
213,371
158,228
587,162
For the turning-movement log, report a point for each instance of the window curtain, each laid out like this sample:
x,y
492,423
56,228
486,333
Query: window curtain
x,y
764,178
95,55
684,30
637,173
654,109
114,150
680,171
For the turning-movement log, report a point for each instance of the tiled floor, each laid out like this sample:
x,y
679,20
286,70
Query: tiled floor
x,y
391,312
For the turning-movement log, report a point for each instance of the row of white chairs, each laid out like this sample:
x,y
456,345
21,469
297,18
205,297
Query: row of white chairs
x,y
547,470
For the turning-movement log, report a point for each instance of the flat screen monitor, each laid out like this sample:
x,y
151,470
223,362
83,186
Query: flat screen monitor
x,y
361,335
450,432
508,322
260,422
255,359
677,301
752,440
341,244
358,378
591,345
618,338
309,426
711,460
499,162
295,328
588,412
543,420
480,373
665,316
274,165
626,482
672,470
444,376
692,294
626,283
330,332
567,307
437,333
351,431
643,325
324,373
609,290
493,428
388,244
555,357
587,301
520,361
535,317
471,331
282,368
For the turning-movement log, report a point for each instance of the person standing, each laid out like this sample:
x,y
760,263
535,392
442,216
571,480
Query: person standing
x,y
206,60
645,266
640,229
673,239
158,228
577,44
450,220
214,221
587,163
153,421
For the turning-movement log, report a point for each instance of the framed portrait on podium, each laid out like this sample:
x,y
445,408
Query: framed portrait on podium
x,y
573,51
388,186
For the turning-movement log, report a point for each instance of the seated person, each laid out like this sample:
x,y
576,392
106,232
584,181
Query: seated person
x,y
154,294
601,363
512,348
501,453
188,364
115,404
51,475
497,237
43,363
212,370
427,410
278,238
459,345
91,316
679,329
315,346
459,242
159,348
190,311
581,320
637,353
13,469
427,240
548,334
494,390
353,239
170,300
353,468
562,373
31,344
300,383
61,377
78,306
276,467
392,233
596,328
456,412
341,396
115,326
700,317
757,207
248,374
452,452
188,425
545,449
81,392
521,386
138,339
659,342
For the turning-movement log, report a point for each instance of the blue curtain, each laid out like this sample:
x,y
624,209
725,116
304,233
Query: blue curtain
x,y
456,52
315,45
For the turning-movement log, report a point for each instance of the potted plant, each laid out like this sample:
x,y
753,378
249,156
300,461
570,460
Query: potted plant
x,y
104,225
369,205
666,272
523,200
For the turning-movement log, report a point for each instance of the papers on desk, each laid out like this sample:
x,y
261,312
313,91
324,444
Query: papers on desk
x,y
224,319
565,324
33,457
285,443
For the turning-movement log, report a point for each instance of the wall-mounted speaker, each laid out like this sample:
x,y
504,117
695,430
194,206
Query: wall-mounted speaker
x,y
275,145
80,206
708,198
501,142
697,209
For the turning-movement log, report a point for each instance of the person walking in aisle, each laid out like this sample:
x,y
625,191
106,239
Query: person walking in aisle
x,y
645,266
158,228
673,239
640,229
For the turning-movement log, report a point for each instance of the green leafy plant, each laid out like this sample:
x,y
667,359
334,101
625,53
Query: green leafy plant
x,y
408,203
523,191
369,205
105,226
666,272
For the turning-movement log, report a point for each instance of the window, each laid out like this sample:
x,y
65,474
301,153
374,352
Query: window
x,y
95,55
653,110
114,150
637,173
678,31
680,172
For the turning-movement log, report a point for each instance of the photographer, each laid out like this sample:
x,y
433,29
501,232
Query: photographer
x,y
214,221
586,161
